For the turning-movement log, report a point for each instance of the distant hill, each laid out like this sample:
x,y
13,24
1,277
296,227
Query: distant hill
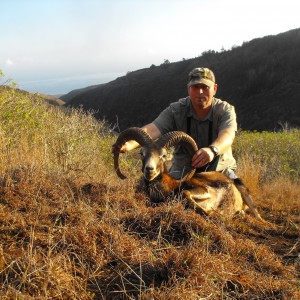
x,y
261,78
76,92
54,100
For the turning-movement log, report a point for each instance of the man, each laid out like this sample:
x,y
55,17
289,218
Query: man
x,y
210,121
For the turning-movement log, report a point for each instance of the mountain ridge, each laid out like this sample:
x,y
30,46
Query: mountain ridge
x,y
261,78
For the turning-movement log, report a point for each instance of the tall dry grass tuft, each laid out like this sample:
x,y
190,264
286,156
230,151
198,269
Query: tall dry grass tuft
x,y
252,171
70,229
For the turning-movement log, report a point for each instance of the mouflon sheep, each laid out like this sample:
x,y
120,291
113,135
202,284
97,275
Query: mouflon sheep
x,y
209,192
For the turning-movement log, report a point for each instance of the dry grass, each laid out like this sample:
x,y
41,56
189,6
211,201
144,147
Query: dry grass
x,y
70,229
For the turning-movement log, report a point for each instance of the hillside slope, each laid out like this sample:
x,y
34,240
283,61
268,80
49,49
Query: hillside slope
x,y
67,97
71,229
261,78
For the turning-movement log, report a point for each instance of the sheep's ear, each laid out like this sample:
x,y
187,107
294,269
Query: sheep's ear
x,y
169,156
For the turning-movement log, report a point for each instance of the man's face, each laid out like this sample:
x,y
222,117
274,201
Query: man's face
x,y
201,95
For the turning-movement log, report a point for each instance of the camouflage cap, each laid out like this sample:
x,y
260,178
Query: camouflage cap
x,y
201,75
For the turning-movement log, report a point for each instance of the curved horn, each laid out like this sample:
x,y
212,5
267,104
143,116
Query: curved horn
x,y
134,133
173,138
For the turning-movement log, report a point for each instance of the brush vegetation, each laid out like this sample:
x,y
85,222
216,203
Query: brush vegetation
x,y
70,229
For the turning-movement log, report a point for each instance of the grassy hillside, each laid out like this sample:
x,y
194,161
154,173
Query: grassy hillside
x,y
70,229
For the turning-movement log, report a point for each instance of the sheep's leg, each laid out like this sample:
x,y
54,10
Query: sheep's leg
x,y
247,199
203,199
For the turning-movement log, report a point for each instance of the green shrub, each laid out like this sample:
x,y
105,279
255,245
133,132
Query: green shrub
x,y
278,151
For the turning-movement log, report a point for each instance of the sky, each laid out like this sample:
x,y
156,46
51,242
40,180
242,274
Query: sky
x,y
55,46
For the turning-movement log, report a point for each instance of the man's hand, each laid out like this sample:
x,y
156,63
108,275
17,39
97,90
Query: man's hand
x,y
205,155
202,157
